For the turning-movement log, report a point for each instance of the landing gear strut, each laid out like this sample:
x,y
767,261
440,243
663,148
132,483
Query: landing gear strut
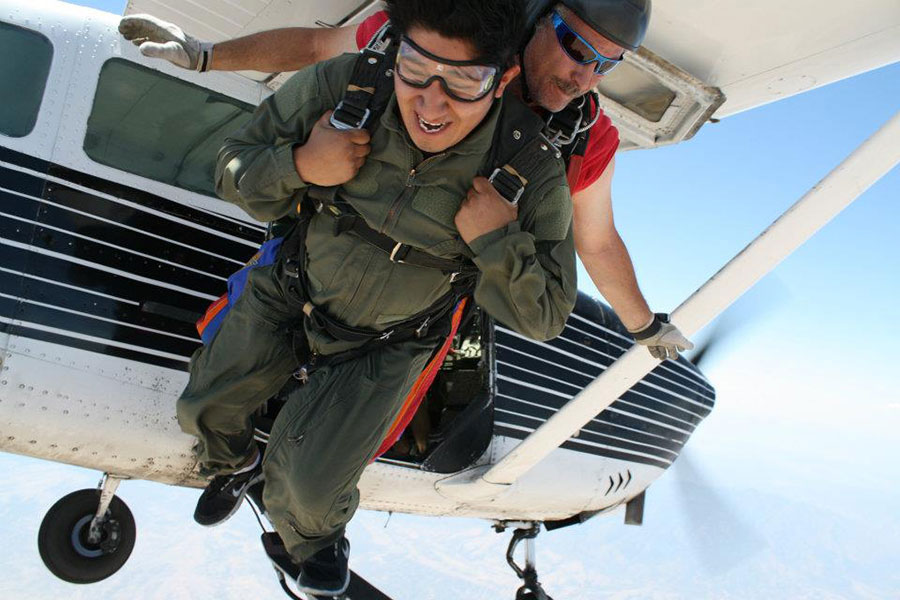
x,y
527,532
87,535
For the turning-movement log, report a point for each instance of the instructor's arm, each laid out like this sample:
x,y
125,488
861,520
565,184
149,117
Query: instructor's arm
x,y
606,260
278,50
288,49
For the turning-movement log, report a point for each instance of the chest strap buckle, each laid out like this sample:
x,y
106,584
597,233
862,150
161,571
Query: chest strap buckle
x,y
508,183
346,116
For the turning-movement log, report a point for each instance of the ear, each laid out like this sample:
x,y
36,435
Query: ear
x,y
510,74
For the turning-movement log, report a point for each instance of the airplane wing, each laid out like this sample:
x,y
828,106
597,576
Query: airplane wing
x,y
700,60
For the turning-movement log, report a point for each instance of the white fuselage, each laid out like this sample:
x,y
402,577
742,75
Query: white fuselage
x,y
82,386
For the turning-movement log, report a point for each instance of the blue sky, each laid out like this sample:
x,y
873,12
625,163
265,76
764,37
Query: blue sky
x,y
800,451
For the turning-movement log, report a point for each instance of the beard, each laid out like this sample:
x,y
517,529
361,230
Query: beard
x,y
555,94
567,87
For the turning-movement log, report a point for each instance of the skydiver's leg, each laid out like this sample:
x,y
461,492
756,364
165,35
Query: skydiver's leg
x,y
324,437
249,360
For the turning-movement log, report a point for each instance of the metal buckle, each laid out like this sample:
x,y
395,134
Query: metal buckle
x,y
394,252
515,181
290,270
342,125
302,375
380,41
556,135
423,327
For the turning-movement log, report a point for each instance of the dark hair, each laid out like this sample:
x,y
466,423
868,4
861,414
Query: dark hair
x,y
494,27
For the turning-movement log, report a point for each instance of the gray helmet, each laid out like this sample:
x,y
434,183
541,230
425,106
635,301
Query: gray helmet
x,y
621,21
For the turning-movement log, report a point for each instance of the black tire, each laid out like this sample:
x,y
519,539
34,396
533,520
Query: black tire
x,y
63,543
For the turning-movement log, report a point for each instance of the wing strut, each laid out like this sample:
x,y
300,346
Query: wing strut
x,y
866,165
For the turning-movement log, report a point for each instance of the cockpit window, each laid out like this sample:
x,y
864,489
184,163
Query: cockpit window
x,y
160,127
23,70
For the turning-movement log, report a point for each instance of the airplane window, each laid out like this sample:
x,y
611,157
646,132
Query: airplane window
x,y
637,91
160,127
23,71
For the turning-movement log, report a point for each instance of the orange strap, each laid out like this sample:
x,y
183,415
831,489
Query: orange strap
x,y
211,313
420,387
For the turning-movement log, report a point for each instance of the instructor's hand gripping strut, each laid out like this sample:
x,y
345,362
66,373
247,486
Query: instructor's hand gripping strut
x,y
663,339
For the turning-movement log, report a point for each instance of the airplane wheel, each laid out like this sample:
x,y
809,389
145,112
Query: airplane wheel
x,y
63,538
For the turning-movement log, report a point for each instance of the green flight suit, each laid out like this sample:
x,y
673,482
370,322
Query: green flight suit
x,y
331,427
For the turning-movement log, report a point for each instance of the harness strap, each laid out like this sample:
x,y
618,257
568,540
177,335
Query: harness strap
x,y
520,149
346,219
370,86
293,257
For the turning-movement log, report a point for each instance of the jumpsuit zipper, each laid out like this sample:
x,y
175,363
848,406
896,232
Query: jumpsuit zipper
x,y
408,191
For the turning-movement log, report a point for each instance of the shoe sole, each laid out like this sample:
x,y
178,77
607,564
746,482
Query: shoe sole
x,y
321,592
237,504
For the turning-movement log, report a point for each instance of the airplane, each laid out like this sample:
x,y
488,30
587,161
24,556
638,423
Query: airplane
x,y
113,244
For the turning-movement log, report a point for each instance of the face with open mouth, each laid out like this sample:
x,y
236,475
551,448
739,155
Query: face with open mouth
x,y
433,119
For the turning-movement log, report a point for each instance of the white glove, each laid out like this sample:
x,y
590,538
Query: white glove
x,y
663,339
159,39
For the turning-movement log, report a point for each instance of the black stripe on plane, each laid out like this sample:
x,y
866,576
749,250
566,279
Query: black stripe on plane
x,y
702,404
153,224
60,270
687,375
636,405
663,377
697,409
23,183
607,423
603,344
616,414
37,187
657,400
26,208
23,160
91,346
102,306
116,332
591,436
540,351
140,241
510,432
539,378
248,231
528,361
122,260
658,376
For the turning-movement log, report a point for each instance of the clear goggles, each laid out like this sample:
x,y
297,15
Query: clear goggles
x,y
465,81
579,49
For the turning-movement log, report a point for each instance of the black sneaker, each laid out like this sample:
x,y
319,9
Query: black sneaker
x,y
327,572
222,497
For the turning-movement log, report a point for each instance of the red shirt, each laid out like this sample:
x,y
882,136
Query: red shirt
x,y
602,141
